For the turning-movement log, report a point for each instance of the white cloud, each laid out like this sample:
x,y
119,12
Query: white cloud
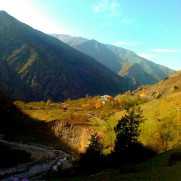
x,y
127,21
134,43
166,50
111,8
124,21
25,11
114,5
96,8
145,55
120,43
128,43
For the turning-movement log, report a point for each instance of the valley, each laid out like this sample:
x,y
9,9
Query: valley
x,y
74,121
75,108
160,104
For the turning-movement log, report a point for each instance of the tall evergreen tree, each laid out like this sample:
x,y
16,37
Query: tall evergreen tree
x,y
127,130
92,158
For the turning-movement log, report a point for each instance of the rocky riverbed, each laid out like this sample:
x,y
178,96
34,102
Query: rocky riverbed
x,y
43,160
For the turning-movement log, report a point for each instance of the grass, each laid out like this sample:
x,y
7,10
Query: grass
x,y
161,114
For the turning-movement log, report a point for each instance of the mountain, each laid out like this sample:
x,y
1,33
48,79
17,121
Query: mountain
x,y
94,49
50,68
134,74
11,83
158,72
117,59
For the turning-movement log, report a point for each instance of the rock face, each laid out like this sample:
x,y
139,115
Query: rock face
x,y
48,67
75,136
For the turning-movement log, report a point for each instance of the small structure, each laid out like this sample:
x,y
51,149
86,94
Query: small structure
x,y
106,96
65,105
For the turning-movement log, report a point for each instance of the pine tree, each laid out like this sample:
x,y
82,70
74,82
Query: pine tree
x,y
127,130
92,158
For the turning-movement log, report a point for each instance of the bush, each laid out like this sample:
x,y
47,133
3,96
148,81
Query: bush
x,y
165,78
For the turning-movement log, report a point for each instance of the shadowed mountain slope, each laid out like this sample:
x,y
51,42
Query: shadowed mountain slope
x,y
52,69
11,83
134,74
119,60
94,49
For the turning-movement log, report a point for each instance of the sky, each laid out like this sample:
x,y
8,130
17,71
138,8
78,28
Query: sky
x,y
150,28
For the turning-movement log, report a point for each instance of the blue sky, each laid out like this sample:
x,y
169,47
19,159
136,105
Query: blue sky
x,y
151,28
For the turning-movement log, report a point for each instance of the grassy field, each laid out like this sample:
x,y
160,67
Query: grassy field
x,y
162,122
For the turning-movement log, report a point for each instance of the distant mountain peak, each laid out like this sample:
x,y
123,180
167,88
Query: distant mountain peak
x,y
3,12
4,17
93,40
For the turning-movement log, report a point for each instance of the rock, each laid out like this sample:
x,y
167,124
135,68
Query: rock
x,y
74,135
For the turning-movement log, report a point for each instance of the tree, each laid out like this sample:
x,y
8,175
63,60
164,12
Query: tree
x,y
110,130
92,158
168,131
95,146
127,130
48,104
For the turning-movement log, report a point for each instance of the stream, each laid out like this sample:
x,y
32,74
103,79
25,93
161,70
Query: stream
x,y
30,170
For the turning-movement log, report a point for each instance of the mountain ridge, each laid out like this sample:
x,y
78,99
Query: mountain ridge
x,y
118,59
51,68
156,70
